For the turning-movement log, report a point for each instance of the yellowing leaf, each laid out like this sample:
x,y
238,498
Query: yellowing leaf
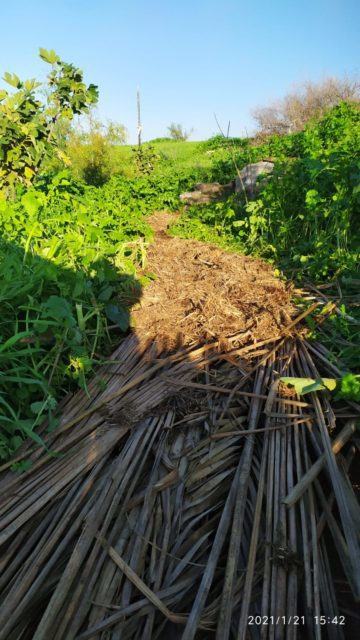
x,y
64,157
28,172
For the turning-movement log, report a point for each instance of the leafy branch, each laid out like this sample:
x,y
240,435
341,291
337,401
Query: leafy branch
x,y
28,125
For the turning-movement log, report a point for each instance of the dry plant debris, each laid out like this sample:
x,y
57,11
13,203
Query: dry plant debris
x,y
202,293
162,514
188,492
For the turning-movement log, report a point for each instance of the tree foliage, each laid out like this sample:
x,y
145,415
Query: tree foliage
x,y
89,151
310,101
29,126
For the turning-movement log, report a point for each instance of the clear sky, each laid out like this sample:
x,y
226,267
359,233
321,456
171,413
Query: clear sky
x,y
190,58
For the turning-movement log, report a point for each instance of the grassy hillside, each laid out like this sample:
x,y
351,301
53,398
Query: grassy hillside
x,y
169,156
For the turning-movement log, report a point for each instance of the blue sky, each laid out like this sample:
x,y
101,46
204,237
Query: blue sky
x,y
190,58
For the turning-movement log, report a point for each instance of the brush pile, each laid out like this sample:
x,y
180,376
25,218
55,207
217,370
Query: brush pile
x,y
192,496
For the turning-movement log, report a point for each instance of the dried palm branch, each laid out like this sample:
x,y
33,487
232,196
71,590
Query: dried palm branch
x,y
190,494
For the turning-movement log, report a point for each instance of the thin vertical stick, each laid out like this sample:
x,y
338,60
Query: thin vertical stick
x,y
139,127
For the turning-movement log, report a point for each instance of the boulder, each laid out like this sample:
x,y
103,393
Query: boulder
x,y
253,177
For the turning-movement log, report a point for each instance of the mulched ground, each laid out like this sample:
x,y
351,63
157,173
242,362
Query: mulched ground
x,y
202,293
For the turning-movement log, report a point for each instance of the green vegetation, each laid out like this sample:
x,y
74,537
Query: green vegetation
x,y
74,233
90,152
69,256
305,220
28,127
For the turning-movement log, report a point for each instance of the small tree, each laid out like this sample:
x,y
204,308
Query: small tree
x,y
90,151
178,133
310,101
29,127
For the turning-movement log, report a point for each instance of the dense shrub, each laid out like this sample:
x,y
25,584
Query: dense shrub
x,y
90,151
69,258
306,219
221,142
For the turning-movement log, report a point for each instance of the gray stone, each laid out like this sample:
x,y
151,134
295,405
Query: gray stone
x,y
253,177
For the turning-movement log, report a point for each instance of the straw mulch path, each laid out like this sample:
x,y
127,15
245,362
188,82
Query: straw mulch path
x,y
189,494
202,292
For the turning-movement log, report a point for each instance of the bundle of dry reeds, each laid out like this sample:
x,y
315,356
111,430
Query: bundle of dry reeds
x,y
194,497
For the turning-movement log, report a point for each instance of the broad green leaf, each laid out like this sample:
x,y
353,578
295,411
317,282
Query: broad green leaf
x,y
30,85
59,308
31,202
93,90
29,173
307,385
22,465
12,79
119,315
36,407
48,56
105,294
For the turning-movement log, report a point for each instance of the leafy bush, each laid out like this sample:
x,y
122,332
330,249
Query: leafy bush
x,y
221,142
91,151
145,158
28,127
306,218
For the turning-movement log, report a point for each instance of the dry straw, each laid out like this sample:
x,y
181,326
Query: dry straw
x,y
150,515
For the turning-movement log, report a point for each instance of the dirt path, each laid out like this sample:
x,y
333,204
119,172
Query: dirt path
x,y
201,292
